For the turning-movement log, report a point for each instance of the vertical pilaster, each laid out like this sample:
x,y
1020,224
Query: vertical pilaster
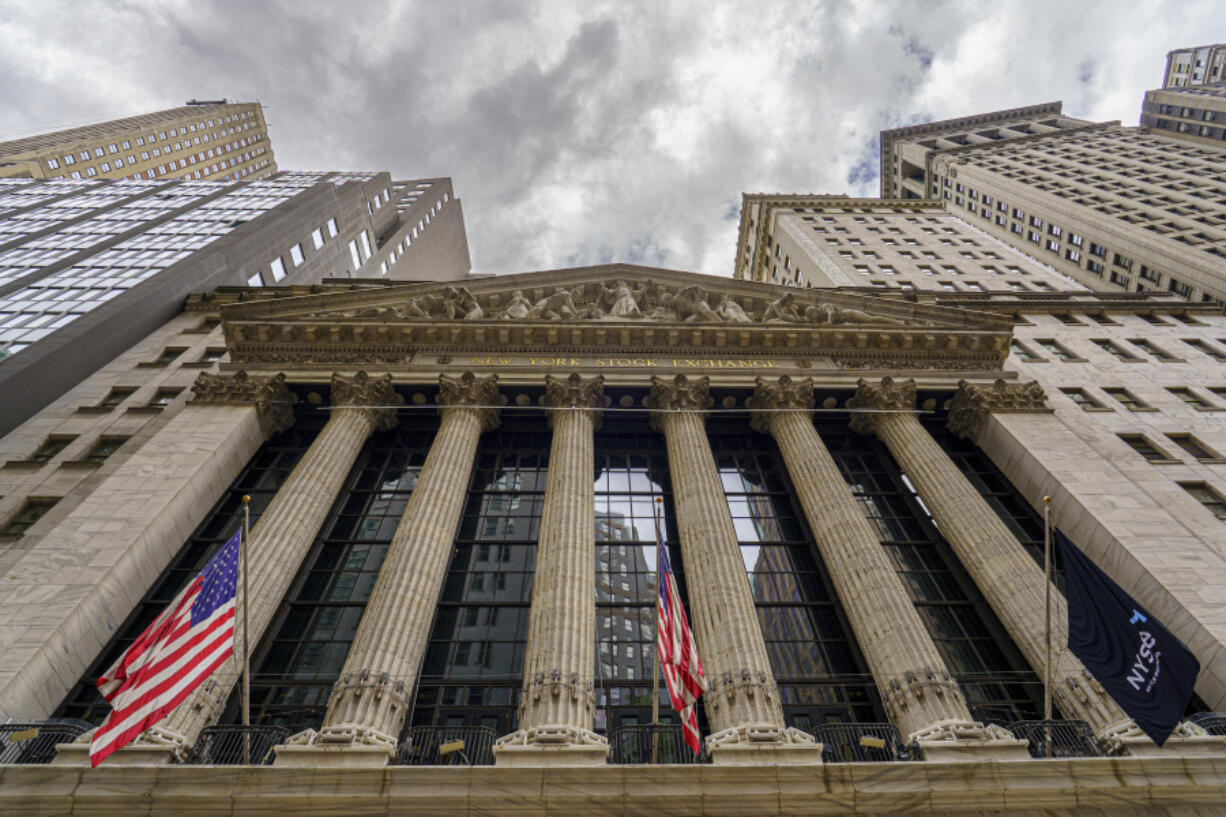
x,y
556,706
920,695
1001,568
742,703
284,533
369,703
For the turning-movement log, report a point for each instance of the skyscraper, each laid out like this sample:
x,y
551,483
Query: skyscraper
x,y
199,140
1197,65
87,268
1116,209
1196,113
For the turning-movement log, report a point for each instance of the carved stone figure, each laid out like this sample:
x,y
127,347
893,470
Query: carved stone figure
x,y
458,302
782,310
518,307
623,300
731,311
411,309
691,306
558,306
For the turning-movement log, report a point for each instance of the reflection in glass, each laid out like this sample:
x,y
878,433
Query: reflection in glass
x,y
631,471
821,677
304,649
474,662
973,644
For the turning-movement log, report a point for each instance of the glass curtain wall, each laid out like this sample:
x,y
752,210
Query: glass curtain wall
x,y
821,675
978,651
301,655
261,478
475,660
631,472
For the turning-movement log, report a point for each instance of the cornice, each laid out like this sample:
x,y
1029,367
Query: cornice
x,y
889,137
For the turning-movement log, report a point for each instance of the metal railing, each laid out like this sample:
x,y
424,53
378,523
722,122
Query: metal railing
x,y
1068,738
237,745
29,742
639,744
446,746
1212,722
861,743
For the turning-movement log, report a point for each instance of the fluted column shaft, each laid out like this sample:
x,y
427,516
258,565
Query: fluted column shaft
x,y
283,536
997,562
916,687
742,697
557,701
370,702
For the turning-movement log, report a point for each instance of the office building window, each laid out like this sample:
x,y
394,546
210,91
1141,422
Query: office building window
x,y
278,269
1126,398
1193,447
1081,398
1206,496
317,238
51,446
1190,397
1147,449
105,447
296,256
32,511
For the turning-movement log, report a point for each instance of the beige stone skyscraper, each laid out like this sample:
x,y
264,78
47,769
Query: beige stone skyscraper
x,y
1196,65
200,140
1116,209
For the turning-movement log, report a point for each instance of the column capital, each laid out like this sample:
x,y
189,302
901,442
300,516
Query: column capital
x,y
373,394
679,393
888,395
272,399
784,393
574,392
970,407
480,394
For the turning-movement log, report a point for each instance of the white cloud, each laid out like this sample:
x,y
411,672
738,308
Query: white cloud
x,y
582,133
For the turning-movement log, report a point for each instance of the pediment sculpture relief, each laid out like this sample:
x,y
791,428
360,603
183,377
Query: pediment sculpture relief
x,y
624,301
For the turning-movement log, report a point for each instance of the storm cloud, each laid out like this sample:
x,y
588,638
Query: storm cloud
x,y
581,133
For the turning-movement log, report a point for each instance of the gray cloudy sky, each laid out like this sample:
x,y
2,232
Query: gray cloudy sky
x,y
584,132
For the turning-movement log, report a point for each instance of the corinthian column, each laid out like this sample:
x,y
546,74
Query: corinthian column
x,y
742,703
369,703
555,718
920,695
997,562
282,537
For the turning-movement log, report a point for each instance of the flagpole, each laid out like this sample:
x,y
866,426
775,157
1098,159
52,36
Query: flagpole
x,y
1047,621
243,547
655,647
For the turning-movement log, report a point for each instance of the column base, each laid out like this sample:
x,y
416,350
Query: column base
x,y
1188,740
332,756
954,741
954,751
544,755
134,754
763,744
545,746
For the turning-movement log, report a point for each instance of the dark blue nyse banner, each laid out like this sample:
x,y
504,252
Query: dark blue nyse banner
x,y
1148,671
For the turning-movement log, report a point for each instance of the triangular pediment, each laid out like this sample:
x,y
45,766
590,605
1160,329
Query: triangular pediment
x,y
616,306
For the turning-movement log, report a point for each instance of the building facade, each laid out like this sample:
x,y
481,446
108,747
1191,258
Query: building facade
x,y
89,268
454,497
1116,209
1199,65
1197,113
211,141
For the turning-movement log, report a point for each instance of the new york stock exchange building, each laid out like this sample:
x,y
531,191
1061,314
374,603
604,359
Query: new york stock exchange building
x,y
453,497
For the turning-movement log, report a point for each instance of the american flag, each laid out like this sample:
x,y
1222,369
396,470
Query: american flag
x,y
678,655
190,639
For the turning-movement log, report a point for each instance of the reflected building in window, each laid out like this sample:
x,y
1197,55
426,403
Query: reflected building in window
x,y
88,268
